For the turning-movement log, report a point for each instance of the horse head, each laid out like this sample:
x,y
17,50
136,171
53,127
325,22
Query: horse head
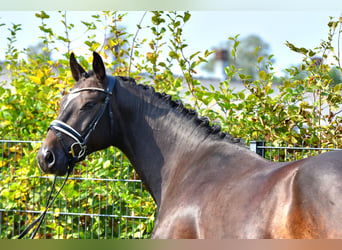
x,y
85,120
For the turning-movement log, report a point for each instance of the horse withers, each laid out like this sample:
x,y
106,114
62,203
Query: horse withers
x,y
205,183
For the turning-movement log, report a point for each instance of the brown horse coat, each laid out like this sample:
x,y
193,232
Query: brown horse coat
x,y
205,184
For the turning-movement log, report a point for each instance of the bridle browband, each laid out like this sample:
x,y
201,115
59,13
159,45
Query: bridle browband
x,y
60,127
80,141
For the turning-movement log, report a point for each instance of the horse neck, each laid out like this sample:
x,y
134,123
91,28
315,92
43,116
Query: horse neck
x,y
139,122
156,137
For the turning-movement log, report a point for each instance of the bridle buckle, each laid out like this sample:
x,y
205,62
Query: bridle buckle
x,y
73,150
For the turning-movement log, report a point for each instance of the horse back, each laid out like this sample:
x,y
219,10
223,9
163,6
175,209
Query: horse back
x,y
316,207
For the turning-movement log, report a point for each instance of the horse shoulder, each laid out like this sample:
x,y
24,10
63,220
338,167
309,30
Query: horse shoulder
x,y
180,223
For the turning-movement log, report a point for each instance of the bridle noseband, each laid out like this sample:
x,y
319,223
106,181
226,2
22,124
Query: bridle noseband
x,y
80,141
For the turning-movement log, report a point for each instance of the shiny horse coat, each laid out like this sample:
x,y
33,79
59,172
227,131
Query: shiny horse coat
x,y
206,184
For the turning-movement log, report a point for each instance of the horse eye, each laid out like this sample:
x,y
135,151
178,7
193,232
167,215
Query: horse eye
x,y
88,105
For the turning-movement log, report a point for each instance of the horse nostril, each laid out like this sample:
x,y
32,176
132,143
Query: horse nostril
x,y
50,159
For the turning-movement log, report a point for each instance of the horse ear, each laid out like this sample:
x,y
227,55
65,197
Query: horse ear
x,y
76,69
98,66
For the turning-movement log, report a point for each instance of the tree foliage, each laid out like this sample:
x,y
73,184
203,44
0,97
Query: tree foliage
x,y
303,110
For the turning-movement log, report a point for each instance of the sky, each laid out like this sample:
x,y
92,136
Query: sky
x,y
205,30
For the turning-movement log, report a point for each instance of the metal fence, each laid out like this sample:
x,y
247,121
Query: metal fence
x,y
284,152
104,197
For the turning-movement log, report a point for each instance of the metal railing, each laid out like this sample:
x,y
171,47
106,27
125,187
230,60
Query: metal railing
x,y
284,152
104,197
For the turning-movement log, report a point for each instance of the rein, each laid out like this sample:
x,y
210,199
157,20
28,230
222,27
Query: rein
x,y
39,220
61,127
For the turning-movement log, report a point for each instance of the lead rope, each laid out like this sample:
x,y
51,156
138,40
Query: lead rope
x,y
39,220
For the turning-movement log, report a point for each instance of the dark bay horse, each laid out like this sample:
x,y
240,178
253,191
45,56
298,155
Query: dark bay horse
x,y
205,183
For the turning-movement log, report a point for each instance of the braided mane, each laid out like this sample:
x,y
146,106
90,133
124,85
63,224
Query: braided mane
x,y
202,122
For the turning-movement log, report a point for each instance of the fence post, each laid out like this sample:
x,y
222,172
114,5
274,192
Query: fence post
x,y
255,147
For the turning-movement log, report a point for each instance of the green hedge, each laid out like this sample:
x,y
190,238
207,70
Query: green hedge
x,y
256,113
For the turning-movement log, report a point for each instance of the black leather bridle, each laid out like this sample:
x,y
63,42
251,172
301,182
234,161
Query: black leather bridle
x,y
77,150
71,153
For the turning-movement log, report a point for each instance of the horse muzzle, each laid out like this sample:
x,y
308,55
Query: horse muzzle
x,y
52,162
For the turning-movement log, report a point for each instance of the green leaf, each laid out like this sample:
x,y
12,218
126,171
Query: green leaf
x,y
337,88
260,59
262,75
173,54
311,53
42,15
233,52
241,95
187,16
268,87
195,54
